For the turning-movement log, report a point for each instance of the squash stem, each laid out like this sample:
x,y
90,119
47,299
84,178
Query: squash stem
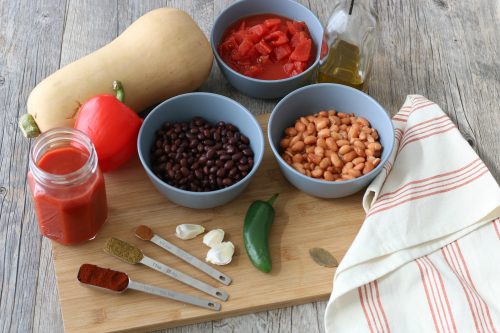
x,y
28,126
272,199
120,92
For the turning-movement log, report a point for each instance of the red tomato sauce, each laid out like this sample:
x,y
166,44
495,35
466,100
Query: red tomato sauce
x,y
267,47
69,214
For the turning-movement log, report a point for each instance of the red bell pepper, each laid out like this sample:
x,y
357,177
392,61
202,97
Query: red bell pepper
x,y
112,126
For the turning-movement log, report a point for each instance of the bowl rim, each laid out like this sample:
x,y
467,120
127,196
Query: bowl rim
x,y
257,157
321,182
220,61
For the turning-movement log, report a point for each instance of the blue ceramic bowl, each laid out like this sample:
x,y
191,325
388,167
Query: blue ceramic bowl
x,y
288,8
325,96
213,108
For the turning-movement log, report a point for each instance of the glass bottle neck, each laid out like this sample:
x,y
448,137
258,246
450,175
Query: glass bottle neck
x,y
61,138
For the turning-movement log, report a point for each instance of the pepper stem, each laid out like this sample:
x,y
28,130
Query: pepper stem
x,y
272,199
120,92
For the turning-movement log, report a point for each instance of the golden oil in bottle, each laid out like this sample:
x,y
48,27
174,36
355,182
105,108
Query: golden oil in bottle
x,y
349,44
342,65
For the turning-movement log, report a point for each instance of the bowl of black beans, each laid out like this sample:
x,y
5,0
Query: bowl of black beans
x,y
200,150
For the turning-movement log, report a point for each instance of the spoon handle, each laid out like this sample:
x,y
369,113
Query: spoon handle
x,y
192,260
174,295
184,278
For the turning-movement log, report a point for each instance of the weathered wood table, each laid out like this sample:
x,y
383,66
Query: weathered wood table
x,y
446,50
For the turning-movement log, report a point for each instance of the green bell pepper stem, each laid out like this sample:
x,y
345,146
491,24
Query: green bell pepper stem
x,y
120,92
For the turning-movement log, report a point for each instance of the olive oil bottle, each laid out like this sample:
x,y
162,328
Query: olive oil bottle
x,y
350,38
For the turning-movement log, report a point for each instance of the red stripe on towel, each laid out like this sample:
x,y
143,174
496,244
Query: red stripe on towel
x,y
449,260
368,319
447,128
392,198
483,306
425,279
428,178
429,194
381,307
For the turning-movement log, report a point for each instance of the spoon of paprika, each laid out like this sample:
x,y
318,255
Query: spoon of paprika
x,y
115,281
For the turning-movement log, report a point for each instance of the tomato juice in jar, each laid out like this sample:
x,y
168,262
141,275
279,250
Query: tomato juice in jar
x,y
67,186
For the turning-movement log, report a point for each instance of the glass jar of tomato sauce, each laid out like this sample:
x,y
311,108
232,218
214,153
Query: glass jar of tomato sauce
x,y
67,186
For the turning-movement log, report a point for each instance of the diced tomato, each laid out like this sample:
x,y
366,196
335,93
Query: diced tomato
x,y
299,66
282,51
239,36
245,47
263,59
295,26
302,51
297,38
272,22
277,38
229,43
263,48
288,68
253,71
259,29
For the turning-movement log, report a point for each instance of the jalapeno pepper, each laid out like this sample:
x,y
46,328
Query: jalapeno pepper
x,y
258,221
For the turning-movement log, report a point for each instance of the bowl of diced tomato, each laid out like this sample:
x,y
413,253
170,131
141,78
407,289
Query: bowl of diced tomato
x,y
266,49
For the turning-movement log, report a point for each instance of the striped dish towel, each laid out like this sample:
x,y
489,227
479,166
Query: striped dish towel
x,y
427,258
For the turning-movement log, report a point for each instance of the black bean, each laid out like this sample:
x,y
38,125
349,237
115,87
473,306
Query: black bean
x,y
221,172
237,156
203,159
243,167
210,154
197,156
233,171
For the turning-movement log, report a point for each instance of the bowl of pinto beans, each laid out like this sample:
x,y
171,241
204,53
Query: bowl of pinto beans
x,y
330,140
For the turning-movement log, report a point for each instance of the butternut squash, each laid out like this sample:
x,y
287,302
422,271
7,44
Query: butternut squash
x,y
162,54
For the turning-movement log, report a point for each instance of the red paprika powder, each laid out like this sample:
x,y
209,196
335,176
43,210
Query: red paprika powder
x,y
102,277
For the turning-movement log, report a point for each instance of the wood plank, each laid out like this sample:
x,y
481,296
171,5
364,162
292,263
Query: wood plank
x,y
30,36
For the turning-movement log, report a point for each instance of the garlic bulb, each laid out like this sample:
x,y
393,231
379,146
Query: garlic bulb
x,y
188,231
213,237
221,254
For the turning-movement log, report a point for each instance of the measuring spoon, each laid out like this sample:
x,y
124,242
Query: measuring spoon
x,y
133,255
146,288
145,233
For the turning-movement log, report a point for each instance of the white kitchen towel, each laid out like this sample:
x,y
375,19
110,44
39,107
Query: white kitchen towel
x,y
427,257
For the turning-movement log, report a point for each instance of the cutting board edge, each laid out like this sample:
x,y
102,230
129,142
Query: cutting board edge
x,y
209,317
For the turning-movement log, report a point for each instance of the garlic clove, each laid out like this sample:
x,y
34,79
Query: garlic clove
x,y
188,231
220,254
213,237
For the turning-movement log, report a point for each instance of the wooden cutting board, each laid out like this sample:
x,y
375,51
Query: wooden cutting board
x,y
302,222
